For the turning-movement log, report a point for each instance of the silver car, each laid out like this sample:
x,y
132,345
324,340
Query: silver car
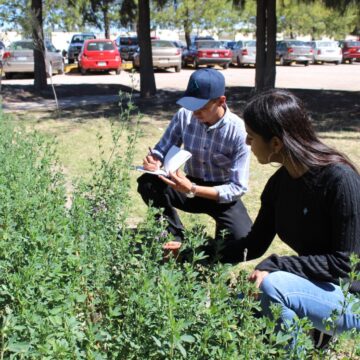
x,y
326,51
164,55
289,51
19,58
244,53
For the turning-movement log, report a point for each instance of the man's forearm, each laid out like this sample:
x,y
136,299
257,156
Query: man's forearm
x,y
207,192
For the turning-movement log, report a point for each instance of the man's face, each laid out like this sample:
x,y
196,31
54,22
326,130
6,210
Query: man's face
x,y
207,113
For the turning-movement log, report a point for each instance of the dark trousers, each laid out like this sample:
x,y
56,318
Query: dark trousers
x,y
231,217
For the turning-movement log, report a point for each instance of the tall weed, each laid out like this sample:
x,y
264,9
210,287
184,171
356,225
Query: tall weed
x,y
77,283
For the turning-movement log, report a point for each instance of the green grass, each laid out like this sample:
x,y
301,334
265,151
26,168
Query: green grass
x,y
77,142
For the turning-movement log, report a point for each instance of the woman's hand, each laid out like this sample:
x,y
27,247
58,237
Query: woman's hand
x,y
178,181
257,276
151,163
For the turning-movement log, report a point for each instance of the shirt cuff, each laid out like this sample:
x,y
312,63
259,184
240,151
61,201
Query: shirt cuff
x,y
225,196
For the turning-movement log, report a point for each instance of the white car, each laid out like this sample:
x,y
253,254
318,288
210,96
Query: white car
x,y
244,53
326,51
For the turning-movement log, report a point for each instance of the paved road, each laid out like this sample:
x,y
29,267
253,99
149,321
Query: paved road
x,y
328,76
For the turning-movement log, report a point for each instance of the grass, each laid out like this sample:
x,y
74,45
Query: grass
x,y
77,142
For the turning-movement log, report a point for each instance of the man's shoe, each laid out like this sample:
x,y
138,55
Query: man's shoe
x,y
321,340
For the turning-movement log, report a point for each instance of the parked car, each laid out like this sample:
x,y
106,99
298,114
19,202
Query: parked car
x,y
296,51
326,51
229,44
244,53
2,49
128,46
99,55
350,51
179,44
76,44
19,58
207,52
164,55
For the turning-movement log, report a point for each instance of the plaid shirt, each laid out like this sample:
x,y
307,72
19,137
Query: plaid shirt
x,y
219,152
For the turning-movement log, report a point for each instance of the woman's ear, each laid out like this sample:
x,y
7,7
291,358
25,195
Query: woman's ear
x,y
276,144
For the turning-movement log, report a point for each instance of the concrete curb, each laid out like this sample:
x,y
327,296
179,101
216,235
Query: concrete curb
x,y
70,102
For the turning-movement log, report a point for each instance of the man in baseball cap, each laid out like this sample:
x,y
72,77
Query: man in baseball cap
x,y
216,176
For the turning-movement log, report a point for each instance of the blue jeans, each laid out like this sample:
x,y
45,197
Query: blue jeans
x,y
304,298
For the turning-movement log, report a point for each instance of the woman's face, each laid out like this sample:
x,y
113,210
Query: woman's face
x,y
259,146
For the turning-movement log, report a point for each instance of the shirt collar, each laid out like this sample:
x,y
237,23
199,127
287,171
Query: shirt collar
x,y
222,122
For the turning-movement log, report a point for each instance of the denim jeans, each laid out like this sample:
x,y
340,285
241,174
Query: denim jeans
x,y
304,298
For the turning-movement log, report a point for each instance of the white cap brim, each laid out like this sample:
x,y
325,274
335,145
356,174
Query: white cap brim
x,y
192,103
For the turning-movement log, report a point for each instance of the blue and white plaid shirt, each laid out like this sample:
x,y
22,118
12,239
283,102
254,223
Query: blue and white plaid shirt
x,y
219,152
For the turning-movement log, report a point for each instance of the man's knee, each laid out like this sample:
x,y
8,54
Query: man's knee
x,y
144,185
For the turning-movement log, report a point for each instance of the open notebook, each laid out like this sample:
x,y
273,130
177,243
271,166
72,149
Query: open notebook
x,y
174,158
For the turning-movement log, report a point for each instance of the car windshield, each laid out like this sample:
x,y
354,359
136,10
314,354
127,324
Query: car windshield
x,y
22,45
353,43
81,38
250,44
162,44
297,43
100,45
50,47
209,45
327,44
129,41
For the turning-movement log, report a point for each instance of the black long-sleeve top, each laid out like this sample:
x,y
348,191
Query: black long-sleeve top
x,y
317,215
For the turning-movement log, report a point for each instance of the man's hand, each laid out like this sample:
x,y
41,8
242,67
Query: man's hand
x,y
171,248
151,163
178,181
257,276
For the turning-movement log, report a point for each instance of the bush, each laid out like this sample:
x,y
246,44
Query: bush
x,y
76,283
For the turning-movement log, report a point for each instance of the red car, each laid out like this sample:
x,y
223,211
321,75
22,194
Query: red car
x,y
99,55
207,52
351,51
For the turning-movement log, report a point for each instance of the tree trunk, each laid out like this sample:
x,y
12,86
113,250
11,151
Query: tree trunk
x,y
147,78
265,45
106,22
40,82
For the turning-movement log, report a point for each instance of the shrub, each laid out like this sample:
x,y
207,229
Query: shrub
x,y
76,283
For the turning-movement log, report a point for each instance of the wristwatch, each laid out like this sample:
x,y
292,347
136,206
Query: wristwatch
x,y
191,193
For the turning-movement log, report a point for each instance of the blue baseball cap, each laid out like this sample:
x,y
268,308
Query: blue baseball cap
x,y
204,85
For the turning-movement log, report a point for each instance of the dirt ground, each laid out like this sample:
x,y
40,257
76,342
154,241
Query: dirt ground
x,y
331,110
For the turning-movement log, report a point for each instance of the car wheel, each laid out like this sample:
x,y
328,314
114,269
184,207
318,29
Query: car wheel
x,y
8,75
83,71
62,69
239,64
350,61
337,62
306,63
135,66
225,66
118,71
196,64
177,68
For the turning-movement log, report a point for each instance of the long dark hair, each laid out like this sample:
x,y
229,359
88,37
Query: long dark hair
x,y
280,113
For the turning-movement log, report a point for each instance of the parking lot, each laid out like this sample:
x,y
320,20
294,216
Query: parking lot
x,y
327,76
